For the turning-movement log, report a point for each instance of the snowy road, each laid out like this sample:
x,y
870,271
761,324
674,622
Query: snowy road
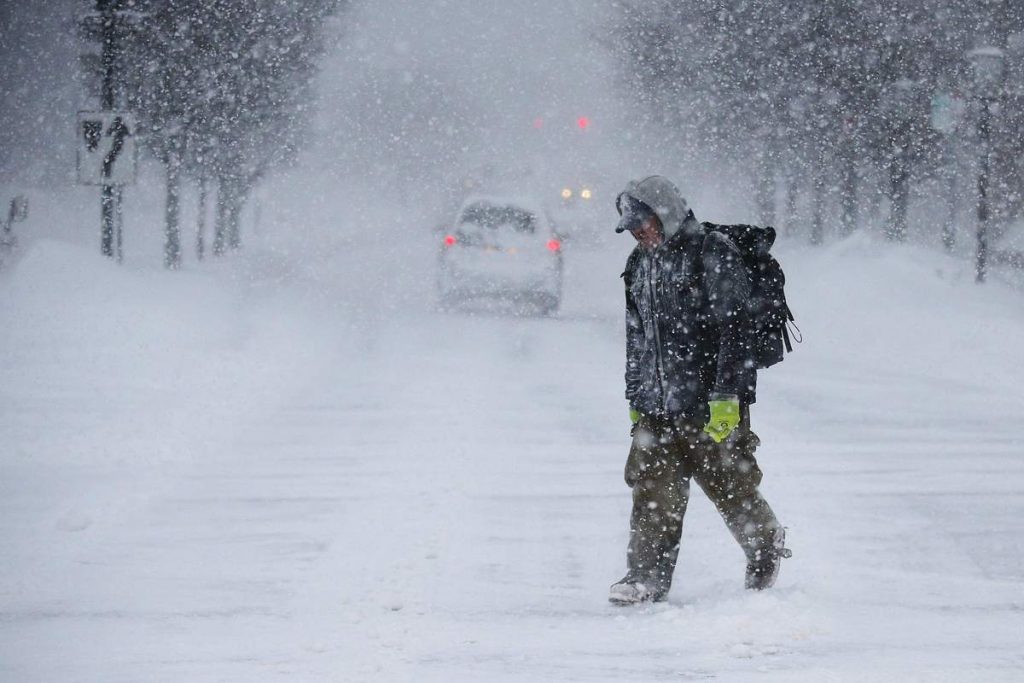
x,y
326,492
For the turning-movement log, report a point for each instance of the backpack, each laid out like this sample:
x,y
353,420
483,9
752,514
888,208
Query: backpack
x,y
767,309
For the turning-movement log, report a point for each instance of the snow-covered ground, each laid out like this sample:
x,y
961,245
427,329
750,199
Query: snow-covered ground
x,y
286,467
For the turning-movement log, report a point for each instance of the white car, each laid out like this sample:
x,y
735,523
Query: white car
x,y
501,249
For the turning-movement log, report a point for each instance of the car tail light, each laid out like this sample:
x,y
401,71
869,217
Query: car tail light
x,y
554,245
449,240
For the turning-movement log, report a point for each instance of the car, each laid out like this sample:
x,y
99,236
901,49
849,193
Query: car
x,y
501,249
577,213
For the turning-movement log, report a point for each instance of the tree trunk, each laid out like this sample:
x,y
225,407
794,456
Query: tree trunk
x,y
235,225
234,221
766,185
818,197
172,245
949,177
231,194
984,210
220,220
792,197
848,190
899,181
204,188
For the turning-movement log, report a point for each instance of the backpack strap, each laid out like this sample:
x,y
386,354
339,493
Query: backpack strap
x,y
723,231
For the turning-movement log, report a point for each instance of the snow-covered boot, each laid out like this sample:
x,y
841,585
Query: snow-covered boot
x,y
763,569
631,591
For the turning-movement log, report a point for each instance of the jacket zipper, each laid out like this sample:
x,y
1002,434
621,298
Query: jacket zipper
x,y
660,367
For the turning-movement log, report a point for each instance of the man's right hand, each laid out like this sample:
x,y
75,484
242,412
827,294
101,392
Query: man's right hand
x,y
634,415
724,412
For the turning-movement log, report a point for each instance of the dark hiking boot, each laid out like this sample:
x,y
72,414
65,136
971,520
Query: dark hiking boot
x,y
630,591
763,569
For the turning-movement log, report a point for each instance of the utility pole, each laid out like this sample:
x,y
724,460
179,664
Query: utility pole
x,y
110,197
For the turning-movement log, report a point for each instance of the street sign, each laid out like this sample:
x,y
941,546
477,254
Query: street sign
x,y
947,112
106,148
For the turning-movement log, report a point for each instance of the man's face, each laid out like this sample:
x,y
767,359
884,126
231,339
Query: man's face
x,y
648,235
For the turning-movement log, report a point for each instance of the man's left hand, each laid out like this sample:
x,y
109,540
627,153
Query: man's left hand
x,y
725,416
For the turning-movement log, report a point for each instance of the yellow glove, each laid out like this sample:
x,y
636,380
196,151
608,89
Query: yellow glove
x,y
634,415
725,415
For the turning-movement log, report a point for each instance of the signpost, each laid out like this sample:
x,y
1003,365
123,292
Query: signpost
x,y
107,157
106,139
106,148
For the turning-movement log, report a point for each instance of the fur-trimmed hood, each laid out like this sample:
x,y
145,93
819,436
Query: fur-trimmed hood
x,y
664,198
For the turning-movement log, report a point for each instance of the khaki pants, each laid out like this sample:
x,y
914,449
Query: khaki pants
x,y
662,459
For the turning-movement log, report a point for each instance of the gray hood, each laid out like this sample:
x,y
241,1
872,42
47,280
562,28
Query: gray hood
x,y
664,198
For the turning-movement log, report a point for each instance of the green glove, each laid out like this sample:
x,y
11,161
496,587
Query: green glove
x,y
634,415
725,415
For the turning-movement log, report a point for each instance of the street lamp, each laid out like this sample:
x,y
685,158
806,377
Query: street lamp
x,y
988,64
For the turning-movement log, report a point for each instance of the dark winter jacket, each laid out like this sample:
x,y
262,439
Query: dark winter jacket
x,y
685,331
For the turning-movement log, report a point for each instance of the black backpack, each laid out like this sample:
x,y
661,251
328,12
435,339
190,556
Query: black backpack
x,y
767,309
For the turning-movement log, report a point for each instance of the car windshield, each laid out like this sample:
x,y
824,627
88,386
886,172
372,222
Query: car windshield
x,y
490,216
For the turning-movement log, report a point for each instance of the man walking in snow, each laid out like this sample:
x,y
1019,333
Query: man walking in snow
x,y
690,380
